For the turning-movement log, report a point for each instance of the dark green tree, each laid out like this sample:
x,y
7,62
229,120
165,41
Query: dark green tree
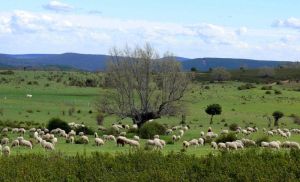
x,y
213,109
277,115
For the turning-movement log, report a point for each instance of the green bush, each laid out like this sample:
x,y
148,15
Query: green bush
x,y
58,123
86,130
248,165
233,126
266,87
277,92
268,92
227,138
149,129
246,86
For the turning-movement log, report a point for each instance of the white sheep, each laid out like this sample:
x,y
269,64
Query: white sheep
x,y
185,144
274,144
85,139
136,138
270,133
156,136
29,96
6,151
264,144
169,131
99,141
54,141
4,141
214,145
47,145
201,141
81,133
123,133
181,132
222,146
231,145
25,143
224,132
15,143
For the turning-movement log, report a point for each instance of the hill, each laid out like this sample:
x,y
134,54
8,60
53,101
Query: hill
x,y
90,62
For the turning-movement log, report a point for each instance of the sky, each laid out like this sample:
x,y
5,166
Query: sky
x,y
256,29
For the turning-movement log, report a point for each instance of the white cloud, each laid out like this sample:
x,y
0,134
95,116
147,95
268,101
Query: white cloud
x,y
242,31
58,6
91,33
288,23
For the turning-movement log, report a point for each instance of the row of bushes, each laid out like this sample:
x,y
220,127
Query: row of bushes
x,y
249,165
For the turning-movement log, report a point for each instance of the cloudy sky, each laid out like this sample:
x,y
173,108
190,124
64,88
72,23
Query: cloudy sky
x,y
259,29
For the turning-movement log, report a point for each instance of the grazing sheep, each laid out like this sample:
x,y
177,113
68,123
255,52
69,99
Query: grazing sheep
x,y
80,133
174,138
156,143
185,128
85,139
71,139
194,142
99,141
135,126
201,141
29,96
231,145
121,141
15,143
136,138
72,133
181,132
4,130
47,145
96,135
248,142
4,141
239,144
222,146
214,145
15,130
133,143
270,133
127,127
54,141
202,134
156,136
22,131
169,131
123,133
294,145
109,137
224,132
185,144
274,144
6,151
264,144
25,143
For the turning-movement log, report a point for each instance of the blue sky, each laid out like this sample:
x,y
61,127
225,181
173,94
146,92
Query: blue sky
x,y
259,29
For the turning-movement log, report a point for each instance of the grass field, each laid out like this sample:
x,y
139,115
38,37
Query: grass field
x,y
53,97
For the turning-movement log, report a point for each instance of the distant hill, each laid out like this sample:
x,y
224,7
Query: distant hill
x,y
204,64
89,62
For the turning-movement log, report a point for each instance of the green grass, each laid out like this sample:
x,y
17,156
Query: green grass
x,y
244,107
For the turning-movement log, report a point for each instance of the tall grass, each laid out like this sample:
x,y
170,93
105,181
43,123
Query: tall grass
x,y
250,165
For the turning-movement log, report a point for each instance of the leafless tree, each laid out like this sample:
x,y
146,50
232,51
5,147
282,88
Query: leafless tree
x,y
220,74
266,72
145,86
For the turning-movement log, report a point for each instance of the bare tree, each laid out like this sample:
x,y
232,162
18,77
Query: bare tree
x,y
220,74
145,86
266,72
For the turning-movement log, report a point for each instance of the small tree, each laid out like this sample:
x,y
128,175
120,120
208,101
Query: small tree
x,y
213,109
277,115
194,69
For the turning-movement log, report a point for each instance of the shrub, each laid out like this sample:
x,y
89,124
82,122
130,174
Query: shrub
x,y
58,123
230,137
233,126
246,86
8,72
277,92
149,129
266,87
268,92
100,118
111,131
86,130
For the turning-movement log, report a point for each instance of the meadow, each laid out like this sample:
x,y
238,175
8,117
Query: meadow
x,y
69,96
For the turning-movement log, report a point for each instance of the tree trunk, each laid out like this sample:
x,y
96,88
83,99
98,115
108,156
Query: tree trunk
x,y
141,119
211,119
276,122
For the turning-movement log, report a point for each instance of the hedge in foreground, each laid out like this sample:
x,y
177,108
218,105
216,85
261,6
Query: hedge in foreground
x,y
149,166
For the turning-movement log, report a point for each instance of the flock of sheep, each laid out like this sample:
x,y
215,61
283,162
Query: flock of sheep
x,y
48,139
